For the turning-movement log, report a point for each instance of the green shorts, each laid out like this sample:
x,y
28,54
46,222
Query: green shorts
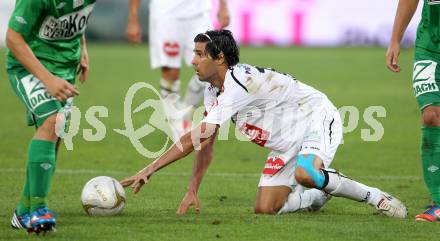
x,y
426,79
31,91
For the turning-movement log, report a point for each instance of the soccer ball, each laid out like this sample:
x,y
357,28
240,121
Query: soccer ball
x,y
103,196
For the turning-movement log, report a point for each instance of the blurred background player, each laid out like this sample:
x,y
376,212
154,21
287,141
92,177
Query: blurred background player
x,y
46,46
296,122
426,81
172,27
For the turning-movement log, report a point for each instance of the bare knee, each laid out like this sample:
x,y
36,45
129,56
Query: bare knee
x,y
171,74
271,199
431,116
47,130
265,208
303,178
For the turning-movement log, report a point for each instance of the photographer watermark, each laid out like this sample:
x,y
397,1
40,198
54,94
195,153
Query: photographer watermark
x,y
287,123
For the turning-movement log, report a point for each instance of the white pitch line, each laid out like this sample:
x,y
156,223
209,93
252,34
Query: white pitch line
x,y
212,174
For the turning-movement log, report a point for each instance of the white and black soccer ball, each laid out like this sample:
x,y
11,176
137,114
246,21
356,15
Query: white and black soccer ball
x,y
103,196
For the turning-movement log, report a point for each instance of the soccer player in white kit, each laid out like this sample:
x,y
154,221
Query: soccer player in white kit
x,y
299,124
173,25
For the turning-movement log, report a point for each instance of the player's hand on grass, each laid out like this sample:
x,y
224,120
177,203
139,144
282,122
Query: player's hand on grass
x,y
189,200
83,70
133,31
137,181
60,89
392,56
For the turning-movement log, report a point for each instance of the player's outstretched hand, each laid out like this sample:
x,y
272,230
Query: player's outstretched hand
x,y
136,181
60,89
392,56
189,200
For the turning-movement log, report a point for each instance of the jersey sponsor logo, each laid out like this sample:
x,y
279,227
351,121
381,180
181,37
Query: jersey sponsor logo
x,y
273,165
433,2
35,91
67,26
423,88
171,48
424,77
255,134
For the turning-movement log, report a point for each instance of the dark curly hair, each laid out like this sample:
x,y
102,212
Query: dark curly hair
x,y
220,41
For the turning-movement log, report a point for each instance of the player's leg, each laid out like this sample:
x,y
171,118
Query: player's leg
x,y
194,92
317,152
430,155
169,81
41,152
165,36
270,199
339,185
166,51
282,199
193,96
171,102
426,82
309,173
21,216
41,166
301,199
279,193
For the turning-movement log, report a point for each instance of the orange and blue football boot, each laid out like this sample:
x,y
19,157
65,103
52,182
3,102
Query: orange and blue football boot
x,y
42,220
432,214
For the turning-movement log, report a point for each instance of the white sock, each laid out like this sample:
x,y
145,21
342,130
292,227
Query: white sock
x,y
194,92
168,87
342,186
300,200
374,197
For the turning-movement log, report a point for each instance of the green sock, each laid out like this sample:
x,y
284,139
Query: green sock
x,y
41,164
25,204
431,160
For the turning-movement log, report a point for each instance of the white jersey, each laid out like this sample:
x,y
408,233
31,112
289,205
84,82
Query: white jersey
x,y
179,8
270,108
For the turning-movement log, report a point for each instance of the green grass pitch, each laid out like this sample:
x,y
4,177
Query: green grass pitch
x,y
349,76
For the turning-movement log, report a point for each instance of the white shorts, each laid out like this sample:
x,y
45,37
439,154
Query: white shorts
x,y
322,138
173,38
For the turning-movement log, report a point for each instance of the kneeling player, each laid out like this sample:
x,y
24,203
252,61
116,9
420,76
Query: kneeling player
x,y
298,123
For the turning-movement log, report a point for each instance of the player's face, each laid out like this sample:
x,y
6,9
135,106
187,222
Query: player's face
x,y
204,65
